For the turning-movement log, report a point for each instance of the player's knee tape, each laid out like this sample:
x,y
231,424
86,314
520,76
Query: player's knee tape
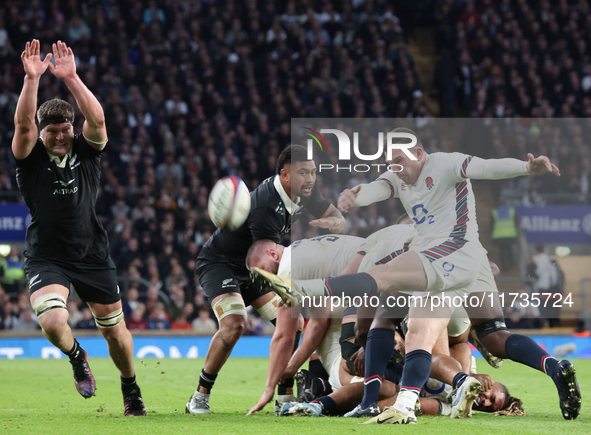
x,y
110,320
228,306
269,310
488,327
50,301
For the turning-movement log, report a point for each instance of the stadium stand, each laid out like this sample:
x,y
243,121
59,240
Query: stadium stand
x,y
194,91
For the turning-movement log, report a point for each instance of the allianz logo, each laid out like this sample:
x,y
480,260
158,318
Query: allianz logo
x,y
550,225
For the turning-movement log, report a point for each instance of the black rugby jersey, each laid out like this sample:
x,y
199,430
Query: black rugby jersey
x,y
62,201
268,219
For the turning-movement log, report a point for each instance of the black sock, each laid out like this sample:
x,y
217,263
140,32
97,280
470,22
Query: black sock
x,y
327,404
282,388
459,379
524,350
76,353
380,342
296,343
323,386
128,384
128,381
206,381
358,284
393,372
417,367
317,369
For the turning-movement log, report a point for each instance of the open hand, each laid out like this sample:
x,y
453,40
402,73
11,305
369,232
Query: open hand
x,y
34,67
65,62
541,165
359,359
347,199
265,398
330,223
485,380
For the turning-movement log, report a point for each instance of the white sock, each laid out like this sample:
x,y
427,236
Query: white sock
x,y
286,398
310,287
444,408
406,401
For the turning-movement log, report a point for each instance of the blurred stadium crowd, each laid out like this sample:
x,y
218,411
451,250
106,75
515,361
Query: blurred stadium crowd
x,y
194,91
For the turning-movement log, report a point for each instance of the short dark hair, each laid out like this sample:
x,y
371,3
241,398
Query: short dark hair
x,y
257,252
539,248
292,153
56,108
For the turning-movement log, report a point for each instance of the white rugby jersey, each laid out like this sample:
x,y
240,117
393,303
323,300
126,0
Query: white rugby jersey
x,y
387,244
318,257
441,201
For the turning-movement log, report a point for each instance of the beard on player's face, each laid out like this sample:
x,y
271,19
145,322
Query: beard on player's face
x,y
302,178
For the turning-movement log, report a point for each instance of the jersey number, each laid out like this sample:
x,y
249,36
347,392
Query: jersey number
x,y
327,238
420,213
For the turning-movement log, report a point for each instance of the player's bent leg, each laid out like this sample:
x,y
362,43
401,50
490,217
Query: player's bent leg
x,y
494,335
231,313
405,273
458,331
378,351
422,334
110,321
49,304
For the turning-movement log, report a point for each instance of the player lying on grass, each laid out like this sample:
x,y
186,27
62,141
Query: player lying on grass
x,y
311,258
435,398
343,389
328,255
436,192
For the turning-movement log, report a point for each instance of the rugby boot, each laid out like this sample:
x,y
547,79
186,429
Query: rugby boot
x,y
83,379
393,416
569,392
464,398
371,411
289,294
133,402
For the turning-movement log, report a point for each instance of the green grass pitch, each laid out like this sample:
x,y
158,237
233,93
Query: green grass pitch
x,y
38,397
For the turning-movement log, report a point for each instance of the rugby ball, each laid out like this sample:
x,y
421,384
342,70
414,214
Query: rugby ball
x,y
229,203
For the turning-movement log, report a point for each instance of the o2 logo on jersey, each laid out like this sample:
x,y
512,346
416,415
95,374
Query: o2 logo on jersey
x,y
420,214
448,267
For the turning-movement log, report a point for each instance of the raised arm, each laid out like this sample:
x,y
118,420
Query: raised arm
x,y
497,169
25,129
94,129
365,194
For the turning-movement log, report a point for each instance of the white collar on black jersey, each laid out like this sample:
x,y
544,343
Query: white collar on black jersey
x,y
290,206
60,163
